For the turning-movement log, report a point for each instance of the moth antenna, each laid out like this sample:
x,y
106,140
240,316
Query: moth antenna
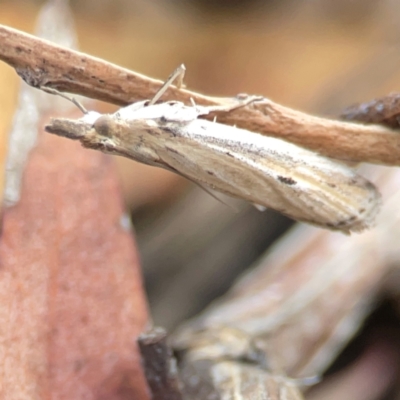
x,y
71,99
193,102
177,76
215,119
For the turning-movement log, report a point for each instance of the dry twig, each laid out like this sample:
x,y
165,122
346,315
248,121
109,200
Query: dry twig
x,y
159,365
41,63
384,110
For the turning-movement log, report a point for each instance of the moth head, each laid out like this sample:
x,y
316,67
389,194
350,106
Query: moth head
x,y
101,134
105,126
93,130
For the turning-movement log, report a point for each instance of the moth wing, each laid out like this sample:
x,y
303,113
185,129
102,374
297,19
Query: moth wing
x,y
294,181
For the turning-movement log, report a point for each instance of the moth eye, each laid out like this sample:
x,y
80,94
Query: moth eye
x,y
104,126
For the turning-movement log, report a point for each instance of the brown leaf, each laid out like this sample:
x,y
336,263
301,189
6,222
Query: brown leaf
x,y
71,291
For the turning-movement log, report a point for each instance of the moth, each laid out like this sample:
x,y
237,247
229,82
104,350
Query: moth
x,y
265,171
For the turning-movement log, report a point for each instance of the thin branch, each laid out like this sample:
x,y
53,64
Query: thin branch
x,y
41,63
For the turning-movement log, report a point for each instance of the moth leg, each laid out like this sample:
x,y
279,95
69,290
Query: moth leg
x,y
177,76
240,101
63,95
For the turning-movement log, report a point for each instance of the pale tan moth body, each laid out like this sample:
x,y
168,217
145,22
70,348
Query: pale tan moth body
x,y
266,171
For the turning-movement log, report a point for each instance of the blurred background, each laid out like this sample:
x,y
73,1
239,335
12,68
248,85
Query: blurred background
x,y
318,56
